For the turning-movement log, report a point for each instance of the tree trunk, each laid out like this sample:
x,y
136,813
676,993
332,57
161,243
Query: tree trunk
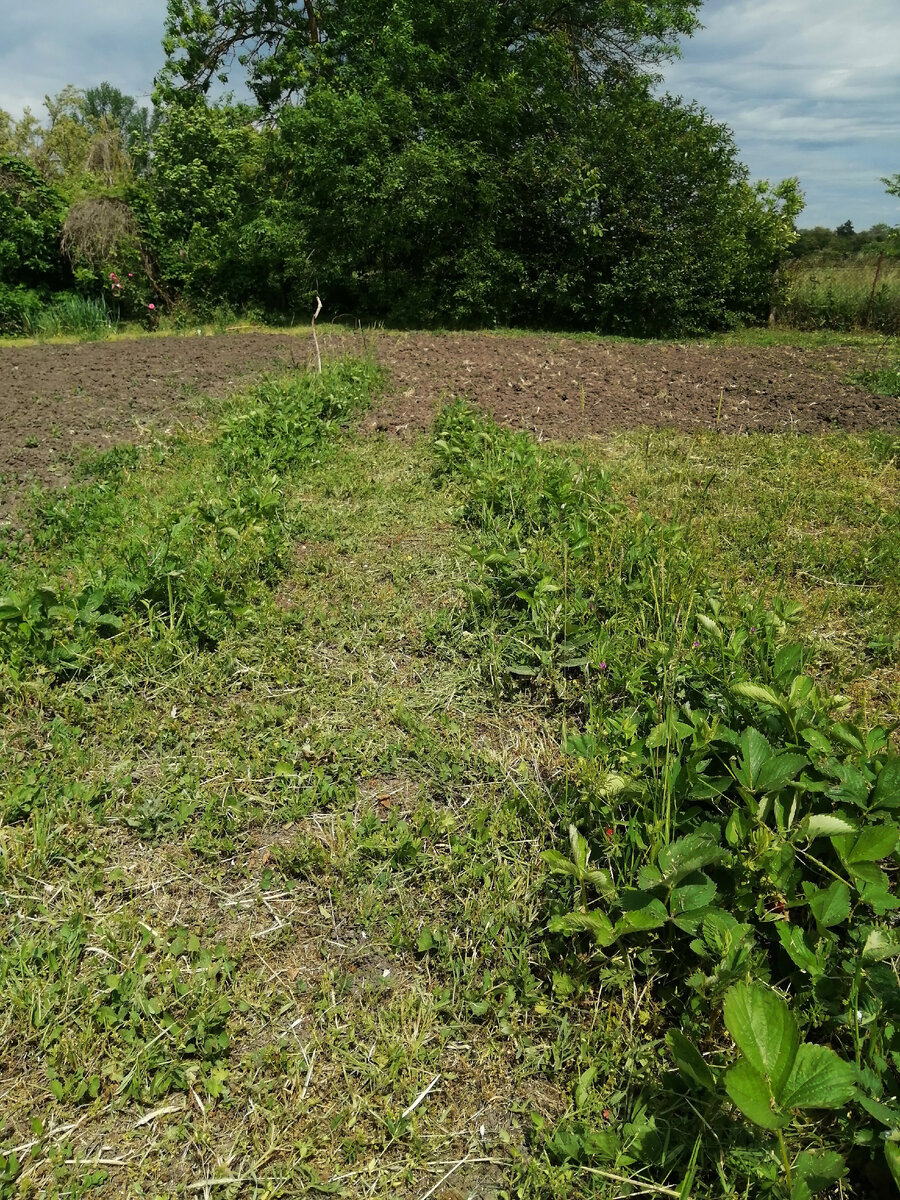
x,y
309,5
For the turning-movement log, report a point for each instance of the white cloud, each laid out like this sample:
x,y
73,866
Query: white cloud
x,y
810,88
45,44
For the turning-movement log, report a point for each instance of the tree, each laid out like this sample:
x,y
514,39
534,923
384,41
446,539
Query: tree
x,y
286,47
105,107
846,230
92,138
819,240
892,187
7,129
31,216
65,144
20,138
475,161
200,207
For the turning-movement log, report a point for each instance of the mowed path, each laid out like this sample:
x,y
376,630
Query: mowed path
x,y
56,399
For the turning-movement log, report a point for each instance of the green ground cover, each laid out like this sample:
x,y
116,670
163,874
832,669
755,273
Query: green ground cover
x,y
870,343
388,819
857,294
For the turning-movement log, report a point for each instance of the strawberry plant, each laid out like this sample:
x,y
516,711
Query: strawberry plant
x,y
775,1078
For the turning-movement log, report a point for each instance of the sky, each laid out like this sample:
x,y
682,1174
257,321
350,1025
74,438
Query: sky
x,y
809,87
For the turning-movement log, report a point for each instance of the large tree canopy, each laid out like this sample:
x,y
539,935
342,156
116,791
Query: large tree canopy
x,y
285,47
463,162
468,161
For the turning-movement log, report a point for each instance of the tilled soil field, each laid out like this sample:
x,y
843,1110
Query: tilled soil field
x,y
58,399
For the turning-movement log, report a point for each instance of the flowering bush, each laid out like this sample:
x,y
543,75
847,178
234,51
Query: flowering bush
x,y
129,299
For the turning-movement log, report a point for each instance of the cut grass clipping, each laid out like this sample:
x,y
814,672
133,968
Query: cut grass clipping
x,y
343,856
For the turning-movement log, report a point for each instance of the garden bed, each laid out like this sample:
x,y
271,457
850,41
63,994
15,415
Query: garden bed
x,y
58,399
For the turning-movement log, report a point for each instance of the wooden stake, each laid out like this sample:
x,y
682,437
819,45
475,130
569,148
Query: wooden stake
x,y
874,286
315,338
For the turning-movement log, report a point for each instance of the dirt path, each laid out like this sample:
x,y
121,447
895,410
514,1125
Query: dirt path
x,y
58,399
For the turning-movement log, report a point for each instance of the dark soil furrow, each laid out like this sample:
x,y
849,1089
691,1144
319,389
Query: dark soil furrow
x,y
58,399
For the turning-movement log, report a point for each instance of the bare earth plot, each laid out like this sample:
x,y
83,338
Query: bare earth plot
x,y
56,399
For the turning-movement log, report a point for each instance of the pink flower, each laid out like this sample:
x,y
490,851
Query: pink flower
x,y
112,274
152,307
130,275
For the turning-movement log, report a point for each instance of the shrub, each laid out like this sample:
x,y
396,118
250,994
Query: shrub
x,y
20,309
31,216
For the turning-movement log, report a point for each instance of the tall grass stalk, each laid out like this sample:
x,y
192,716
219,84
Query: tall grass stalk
x,y
75,315
842,296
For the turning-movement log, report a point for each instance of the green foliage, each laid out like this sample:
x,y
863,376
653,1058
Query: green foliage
x,y
205,213
775,1073
334,820
845,280
775,1076
286,47
189,567
31,216
459,163
858,294
173,987
639,233
841,244
20,309
61,206
105,107
463,164
31,313
883,381
92,142
746,829
73,315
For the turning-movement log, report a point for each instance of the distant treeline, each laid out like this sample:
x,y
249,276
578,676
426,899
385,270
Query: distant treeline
x,y
845,242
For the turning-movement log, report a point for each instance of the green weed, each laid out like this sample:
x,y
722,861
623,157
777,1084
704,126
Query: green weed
x,y
884,381
842,297
745,825
187,561
71,315
290,879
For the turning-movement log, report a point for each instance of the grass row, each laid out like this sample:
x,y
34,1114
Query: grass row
x,y
289,774
711,779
